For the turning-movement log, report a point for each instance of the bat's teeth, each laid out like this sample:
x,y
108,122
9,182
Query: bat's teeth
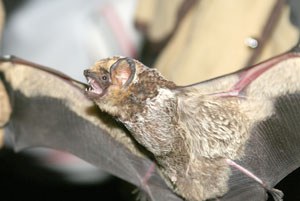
x,y
85,89
93,87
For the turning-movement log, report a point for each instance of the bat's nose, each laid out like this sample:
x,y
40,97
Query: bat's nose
x,y
86,72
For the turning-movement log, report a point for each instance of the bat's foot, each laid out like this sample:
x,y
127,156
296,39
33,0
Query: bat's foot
x,y
140,195
277,194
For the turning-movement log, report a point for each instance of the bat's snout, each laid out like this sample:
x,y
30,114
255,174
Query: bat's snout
x,y
86,72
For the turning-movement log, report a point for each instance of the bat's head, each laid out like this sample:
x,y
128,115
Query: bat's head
x,y
108,76
120,85
109,81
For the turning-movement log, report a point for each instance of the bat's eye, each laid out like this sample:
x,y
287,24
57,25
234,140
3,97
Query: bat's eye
x,y
104,78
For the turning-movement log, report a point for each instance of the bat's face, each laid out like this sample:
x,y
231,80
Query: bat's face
x,y
108,75
110,81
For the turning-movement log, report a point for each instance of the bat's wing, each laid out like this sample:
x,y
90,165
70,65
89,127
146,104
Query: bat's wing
x,y
270,95
49,109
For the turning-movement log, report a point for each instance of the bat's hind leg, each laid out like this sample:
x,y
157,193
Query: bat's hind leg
x,y
144,192
277,194
148,174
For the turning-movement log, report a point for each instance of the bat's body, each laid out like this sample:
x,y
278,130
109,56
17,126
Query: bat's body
x,y
190,133
193,132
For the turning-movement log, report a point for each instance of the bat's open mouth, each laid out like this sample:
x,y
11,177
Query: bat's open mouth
x,y
94,86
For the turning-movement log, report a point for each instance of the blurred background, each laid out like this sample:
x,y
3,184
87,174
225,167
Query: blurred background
x,y
187,40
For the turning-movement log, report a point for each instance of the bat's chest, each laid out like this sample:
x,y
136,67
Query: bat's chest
x,y
155,127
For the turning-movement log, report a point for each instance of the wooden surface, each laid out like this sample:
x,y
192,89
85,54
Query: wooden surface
x,y
210,40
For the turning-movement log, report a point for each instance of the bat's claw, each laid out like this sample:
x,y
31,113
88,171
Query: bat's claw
x,y
277,194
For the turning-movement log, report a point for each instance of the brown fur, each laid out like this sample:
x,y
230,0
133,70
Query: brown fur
x,y
189,134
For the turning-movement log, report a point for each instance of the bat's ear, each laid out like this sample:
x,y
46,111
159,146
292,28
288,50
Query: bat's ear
x,y
122,71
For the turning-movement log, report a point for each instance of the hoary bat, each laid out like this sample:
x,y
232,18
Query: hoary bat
x,y
230,138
